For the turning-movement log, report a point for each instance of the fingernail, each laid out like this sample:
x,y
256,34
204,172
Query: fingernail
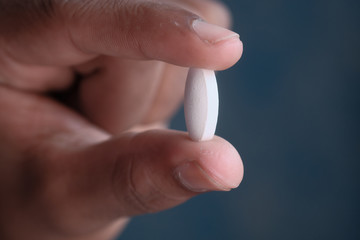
x,y
212,33
194,178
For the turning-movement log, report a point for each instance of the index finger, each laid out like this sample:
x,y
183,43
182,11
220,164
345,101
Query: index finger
x,y
136,30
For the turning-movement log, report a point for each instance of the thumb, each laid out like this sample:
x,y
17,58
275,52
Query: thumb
x,y
154,170
70,176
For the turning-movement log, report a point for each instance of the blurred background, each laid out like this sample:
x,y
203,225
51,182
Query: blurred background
x,y
291,108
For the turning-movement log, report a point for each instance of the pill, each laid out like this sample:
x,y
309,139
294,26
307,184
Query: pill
x,y
201,104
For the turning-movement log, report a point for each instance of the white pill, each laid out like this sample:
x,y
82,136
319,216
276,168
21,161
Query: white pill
x,y
201,104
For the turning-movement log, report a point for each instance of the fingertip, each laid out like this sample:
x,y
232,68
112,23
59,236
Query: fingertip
x,y
222,162
202,166
230,54
202,45
222,47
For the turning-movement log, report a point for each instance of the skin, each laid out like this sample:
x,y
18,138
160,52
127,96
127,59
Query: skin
x,y
79,168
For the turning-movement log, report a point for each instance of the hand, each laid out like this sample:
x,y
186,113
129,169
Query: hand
x,y
80,174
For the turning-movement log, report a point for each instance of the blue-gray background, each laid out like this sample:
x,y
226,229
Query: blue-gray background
x,y
291,108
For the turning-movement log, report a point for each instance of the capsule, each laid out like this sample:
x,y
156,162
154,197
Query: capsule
x,y
201,104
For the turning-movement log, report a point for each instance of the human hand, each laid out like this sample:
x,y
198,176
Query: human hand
x,y
64,174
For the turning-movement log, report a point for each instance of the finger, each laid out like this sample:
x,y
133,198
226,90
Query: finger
x,y
135,29
120,93
32,130
102,94
150,30
73,173
170,169
33,77
149,172
169,95
153,88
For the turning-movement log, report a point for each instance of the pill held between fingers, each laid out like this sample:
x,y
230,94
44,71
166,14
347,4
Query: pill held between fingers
x,y
201,104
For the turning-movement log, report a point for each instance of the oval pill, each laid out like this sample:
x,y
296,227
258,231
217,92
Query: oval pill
x,y
201,104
